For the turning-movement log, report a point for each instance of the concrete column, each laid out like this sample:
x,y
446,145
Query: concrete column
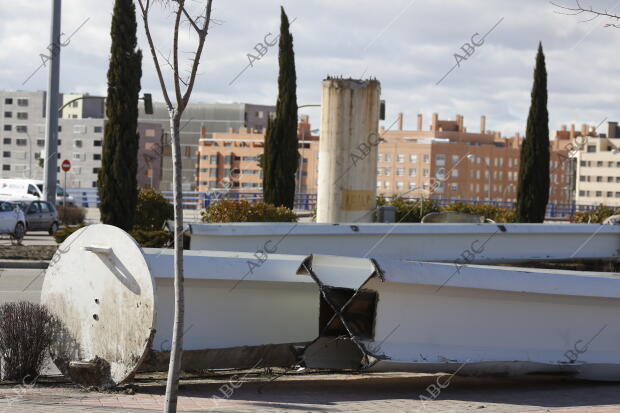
x,y
419,121
348,150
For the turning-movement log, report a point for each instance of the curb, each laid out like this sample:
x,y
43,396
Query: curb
x,y
24,264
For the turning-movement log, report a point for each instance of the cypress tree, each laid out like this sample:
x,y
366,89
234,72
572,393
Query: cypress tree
x,y
117,183
280,154
533,186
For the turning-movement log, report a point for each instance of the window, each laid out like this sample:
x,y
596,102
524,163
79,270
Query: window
x,y
413,172
400,171
387,171
599,194
618,179
22,102
386,185
6,167
413,158
591,148
426,158
77,143
610,164
378,184
213,159
617,194
379,157
6,154
99,129
440,160
97,143
400,158
41,142
97,157
21,128
33,191
582,193
8,101
76,156
425,172
599,179
21,142
610,194
8,115
388,157
95,170
455,159
582,178
455,173
454,187
399,185
610,179
412,186
8,128
6,141
22,115
378,171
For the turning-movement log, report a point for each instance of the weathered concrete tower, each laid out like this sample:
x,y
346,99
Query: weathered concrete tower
x,y
348,150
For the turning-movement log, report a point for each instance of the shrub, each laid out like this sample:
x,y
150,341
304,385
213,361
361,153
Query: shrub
x,y
152,211
409,210
244,211
71,215
153,239
62,234
493,212
594,216
26,331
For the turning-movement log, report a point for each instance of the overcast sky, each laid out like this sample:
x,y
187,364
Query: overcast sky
x,y
407,45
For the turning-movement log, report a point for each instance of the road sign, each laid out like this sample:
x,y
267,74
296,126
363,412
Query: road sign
x,y
66,165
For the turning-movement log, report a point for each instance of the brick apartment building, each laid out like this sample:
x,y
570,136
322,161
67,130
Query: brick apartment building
x,y
444,161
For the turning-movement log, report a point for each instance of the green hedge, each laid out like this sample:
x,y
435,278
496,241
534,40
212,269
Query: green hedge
x,y
244,211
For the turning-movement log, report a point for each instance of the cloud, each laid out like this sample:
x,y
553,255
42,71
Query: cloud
x,y
407,45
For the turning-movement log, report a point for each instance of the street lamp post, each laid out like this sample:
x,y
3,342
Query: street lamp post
x,y
472,156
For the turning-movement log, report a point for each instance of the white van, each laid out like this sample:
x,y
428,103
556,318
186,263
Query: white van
x,y
28,190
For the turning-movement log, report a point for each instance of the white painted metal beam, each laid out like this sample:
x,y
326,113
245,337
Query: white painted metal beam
x,y
466,243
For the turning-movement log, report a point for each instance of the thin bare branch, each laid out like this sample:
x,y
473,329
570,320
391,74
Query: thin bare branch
x,y
594,14
145,17
169,63
202,36
175,56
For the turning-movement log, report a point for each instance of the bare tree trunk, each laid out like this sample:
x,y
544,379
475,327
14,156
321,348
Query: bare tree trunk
x,y
176,353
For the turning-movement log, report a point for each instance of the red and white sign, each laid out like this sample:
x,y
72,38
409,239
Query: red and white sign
x,y
66,165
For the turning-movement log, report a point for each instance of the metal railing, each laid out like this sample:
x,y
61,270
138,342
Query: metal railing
x,y
87,198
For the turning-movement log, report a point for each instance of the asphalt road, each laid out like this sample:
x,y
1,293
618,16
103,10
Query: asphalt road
x,y
20,284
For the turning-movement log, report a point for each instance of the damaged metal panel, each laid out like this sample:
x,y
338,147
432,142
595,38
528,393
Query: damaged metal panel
x,y
433,317
467,243
116,304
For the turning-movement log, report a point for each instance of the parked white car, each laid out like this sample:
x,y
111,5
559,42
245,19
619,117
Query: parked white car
x,y
28,190
12,221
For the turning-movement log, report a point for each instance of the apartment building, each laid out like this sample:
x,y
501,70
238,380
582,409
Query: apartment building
x,y
230,161
210,117
80,140
443,161
448,161
598,168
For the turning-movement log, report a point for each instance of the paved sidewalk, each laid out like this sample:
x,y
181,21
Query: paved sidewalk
x,y
332,393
